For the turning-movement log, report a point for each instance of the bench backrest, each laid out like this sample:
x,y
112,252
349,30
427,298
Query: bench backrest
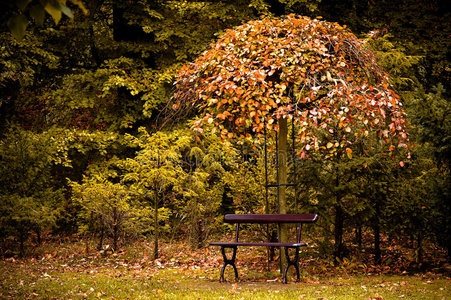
x,y
271,218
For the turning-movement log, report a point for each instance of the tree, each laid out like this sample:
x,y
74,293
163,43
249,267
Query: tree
x,y
106,209
432,123
178,173
264,72
155,174
30,201
428,115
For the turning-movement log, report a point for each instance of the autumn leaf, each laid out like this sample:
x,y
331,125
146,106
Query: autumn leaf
x,y
349,152
317,74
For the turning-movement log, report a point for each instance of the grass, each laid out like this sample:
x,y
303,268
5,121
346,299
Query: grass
x,y
66,272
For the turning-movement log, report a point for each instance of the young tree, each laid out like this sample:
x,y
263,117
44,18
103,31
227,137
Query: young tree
x,y
179,173
29,198
317,73
107,209
155,174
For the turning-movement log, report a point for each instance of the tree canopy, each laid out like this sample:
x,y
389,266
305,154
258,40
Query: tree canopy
x,y
313,71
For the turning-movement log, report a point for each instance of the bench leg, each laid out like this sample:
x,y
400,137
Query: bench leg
x,y
293,262
228,262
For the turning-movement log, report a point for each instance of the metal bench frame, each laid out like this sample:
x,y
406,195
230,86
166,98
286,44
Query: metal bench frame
x,y
265,219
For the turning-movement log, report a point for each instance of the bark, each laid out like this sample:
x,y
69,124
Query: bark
x,y
283,174
102,234
155,253
377,236
339,221
38,236
115,229
358,235
94,51
21,242
338,231
419,251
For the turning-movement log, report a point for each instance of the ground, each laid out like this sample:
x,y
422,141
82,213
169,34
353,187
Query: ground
x,y
70,271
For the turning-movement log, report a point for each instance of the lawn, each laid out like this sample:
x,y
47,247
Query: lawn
x,y
67,271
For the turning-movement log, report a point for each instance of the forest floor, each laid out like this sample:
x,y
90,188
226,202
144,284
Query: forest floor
x,y
70,271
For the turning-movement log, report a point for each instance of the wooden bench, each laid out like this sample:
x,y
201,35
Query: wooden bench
x,y
265,219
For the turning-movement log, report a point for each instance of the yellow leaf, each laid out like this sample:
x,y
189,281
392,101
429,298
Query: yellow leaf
x,y
80,4
54,10
329,145
349,152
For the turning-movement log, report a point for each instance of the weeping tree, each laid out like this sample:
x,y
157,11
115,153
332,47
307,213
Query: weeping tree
x,y
315,73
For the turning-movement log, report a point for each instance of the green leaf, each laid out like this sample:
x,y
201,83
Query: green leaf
x,y
17,25
22,4
38,14
66,11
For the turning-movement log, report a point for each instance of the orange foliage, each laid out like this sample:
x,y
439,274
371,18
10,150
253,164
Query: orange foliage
x,y
316,72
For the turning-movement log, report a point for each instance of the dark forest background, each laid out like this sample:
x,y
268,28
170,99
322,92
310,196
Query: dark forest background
x,y
82,152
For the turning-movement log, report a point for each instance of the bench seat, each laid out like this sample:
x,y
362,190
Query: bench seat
x,y
265,244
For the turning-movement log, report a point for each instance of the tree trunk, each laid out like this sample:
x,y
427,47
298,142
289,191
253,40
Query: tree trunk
x,y
120,25
338,231
339,219
115,229
102,233
358,235
419,251
21,242
38,236
377,236
449,251
155,253
94,51
412,239
283,174
87,245
272,250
